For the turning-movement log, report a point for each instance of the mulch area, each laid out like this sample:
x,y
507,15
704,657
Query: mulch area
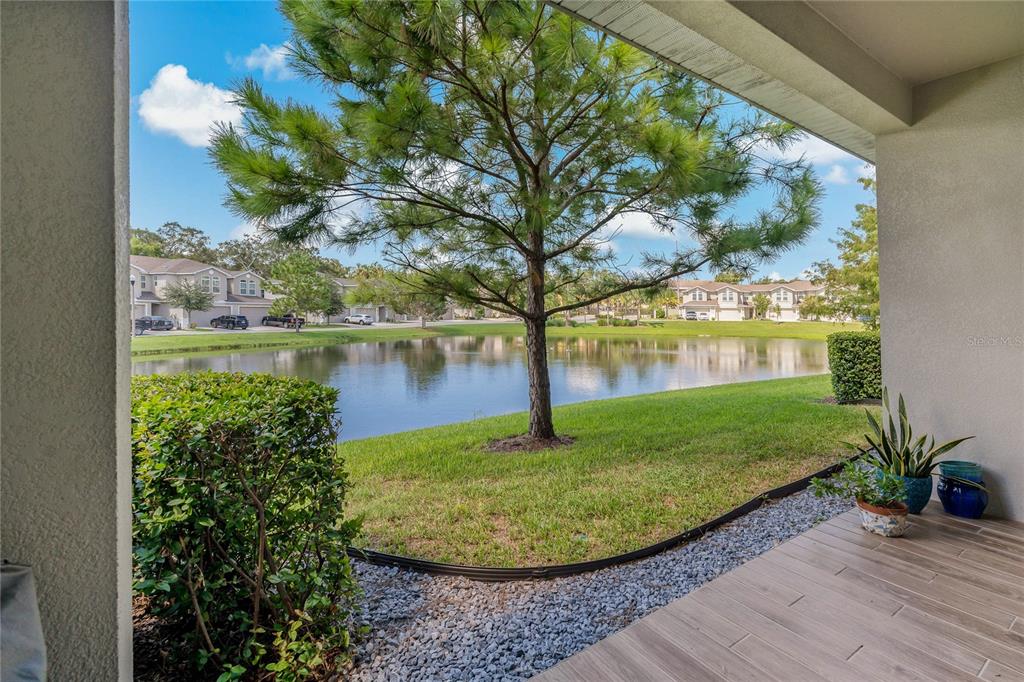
x,y
527,443
831,400
157,648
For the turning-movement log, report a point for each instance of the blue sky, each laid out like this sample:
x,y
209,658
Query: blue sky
x,y
185,57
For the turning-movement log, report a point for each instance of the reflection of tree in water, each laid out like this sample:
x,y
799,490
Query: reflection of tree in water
x,y
317,364
425,364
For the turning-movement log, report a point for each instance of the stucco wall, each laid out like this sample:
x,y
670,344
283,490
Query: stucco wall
x,y
66,454
951,244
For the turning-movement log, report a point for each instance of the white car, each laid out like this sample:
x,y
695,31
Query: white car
x,y
358,319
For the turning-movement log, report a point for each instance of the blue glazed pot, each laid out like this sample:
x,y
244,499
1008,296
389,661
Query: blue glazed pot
x,y
919,491
960,499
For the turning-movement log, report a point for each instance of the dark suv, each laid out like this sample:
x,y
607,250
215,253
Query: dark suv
x,y
288,320
230,322
154,323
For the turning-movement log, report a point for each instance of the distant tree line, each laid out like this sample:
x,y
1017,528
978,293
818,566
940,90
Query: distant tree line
x,y
256,252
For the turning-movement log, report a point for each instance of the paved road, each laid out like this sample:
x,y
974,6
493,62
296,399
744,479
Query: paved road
x,y
379,325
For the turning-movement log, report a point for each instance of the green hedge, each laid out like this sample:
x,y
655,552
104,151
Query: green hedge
x,y
239,532
855,359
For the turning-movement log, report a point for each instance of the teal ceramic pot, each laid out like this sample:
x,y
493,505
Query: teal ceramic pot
x,y
960,499
919,491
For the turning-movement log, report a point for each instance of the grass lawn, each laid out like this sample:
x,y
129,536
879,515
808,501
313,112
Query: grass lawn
x,y
220,341
642,469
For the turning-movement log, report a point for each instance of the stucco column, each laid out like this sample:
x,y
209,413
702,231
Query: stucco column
x,y
66,494
951,247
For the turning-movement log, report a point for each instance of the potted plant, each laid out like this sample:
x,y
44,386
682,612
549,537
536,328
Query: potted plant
x,y
879,497
892,448
961,490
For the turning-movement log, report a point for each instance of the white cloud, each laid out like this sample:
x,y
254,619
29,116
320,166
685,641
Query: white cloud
x,y
815,150
243,230
178,105
638,225
272,61
838,175
774,274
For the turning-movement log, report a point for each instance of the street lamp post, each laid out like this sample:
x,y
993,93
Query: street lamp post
x,y
132,280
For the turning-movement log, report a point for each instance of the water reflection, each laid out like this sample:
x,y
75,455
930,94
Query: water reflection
x,y
393,386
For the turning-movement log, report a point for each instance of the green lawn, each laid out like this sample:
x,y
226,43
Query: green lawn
x,y
220,341
642,469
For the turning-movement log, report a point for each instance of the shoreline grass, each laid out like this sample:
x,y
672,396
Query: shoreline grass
x,y
642,468
214,342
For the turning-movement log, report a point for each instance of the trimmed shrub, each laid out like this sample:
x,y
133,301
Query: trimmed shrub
x,y
555,322
239,532
855,359
602,322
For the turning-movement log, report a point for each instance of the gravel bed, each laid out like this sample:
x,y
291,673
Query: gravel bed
x,y
425,627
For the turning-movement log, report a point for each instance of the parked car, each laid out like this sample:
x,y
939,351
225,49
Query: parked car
x,y
691,315
358,319
702,316
230,322
288,320
154,323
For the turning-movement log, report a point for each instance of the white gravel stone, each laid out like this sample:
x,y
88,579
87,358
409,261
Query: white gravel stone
x,y
424,627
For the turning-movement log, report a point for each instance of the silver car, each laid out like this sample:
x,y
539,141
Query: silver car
x,y
358,319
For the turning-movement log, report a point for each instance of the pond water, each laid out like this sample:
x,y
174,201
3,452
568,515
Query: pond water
x,y
393,386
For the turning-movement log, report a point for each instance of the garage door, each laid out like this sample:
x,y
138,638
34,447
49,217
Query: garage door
x,y
255,314
202,318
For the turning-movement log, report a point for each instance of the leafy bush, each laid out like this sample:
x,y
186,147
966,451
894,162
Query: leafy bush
x,y
619,322
660,314
855,359
602,322
239,533
555,322
876,487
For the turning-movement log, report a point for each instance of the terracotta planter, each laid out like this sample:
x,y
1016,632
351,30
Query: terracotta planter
x,y
888,521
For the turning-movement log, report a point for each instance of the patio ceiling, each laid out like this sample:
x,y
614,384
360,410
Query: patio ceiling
x,y
843,71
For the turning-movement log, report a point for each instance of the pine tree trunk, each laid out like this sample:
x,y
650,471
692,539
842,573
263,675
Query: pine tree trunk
x,y
541,424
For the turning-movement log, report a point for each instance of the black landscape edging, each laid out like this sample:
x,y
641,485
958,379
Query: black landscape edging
x,y
493,574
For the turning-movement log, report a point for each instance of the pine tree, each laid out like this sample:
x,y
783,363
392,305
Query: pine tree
x,y
495,147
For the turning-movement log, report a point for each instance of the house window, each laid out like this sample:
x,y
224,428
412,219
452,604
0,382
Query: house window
x,y
204,282
697,296
142,281
247,287
216,284
728,295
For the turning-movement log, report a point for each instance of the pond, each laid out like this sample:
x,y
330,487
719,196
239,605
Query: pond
x,y
393,386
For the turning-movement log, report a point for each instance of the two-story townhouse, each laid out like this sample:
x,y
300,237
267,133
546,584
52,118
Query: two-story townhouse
x,y
234,292
734,302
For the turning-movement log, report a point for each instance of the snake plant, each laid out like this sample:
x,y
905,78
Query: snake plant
x,y
893,448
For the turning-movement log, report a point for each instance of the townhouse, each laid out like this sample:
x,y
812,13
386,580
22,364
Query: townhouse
x,y
733,302
235,292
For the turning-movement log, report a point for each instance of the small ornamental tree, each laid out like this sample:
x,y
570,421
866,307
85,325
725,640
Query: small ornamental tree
x,y
402,292
851,287
761,304
815,308
301,287
189,296
496,147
